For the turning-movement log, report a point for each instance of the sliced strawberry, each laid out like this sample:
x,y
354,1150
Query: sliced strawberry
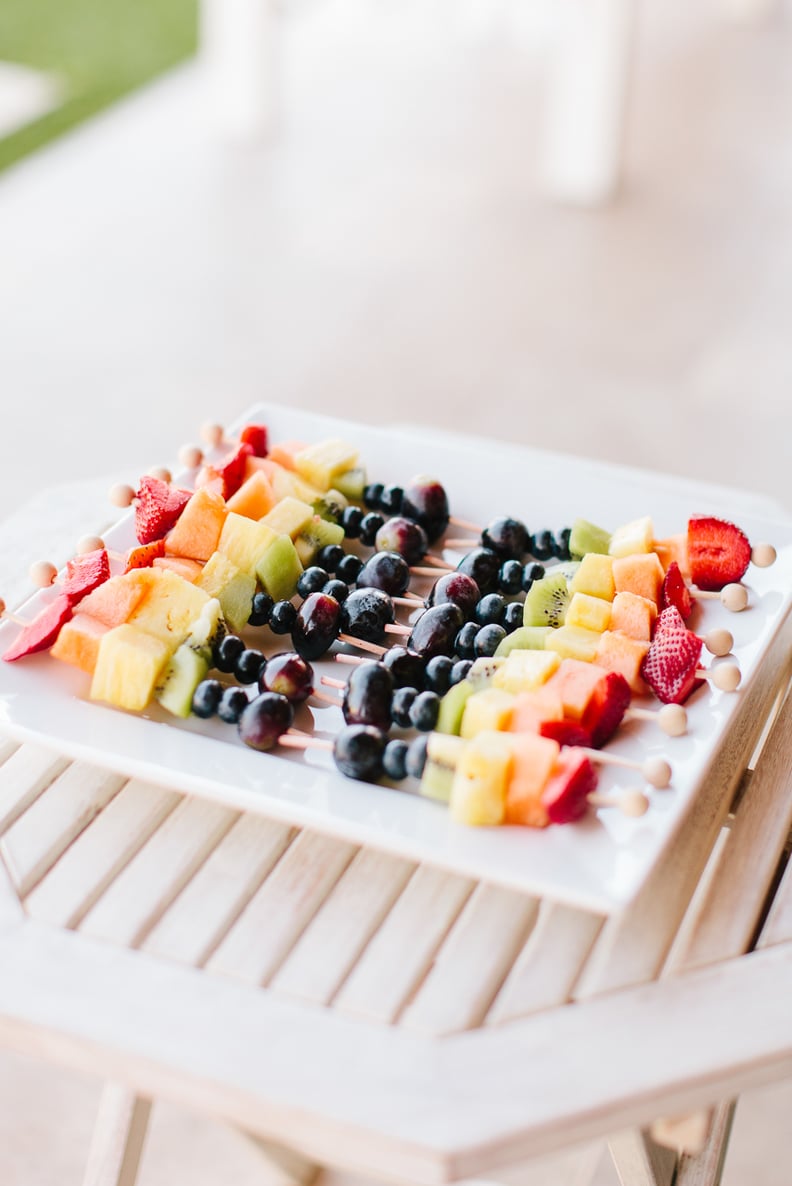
x,y
566,792
565,732
675,591
671,661
232,468
158,506
603,714
42,631
719,552
84,573
210,478
255,435
144,555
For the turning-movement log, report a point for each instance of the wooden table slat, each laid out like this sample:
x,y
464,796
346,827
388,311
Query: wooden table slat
x,y
27,772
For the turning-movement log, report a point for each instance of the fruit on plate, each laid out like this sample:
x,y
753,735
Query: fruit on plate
x,y
197,531
672,659
128,667
719,552
78,642
84,573
41,632
157,507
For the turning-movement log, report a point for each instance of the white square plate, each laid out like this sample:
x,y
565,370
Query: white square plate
x,y
599,863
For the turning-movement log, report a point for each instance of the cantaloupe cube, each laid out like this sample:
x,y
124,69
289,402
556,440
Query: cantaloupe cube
x,y
197,530
592,613
573,642
188,570
478,790
633,615
244,542
531,708
78,642
633,538
522,671
289,516
284,452
168,608
620,653
533,758
674,547
319,463
489,710
129,664
113,601
594,576
574,684
640,574
255,498
286,484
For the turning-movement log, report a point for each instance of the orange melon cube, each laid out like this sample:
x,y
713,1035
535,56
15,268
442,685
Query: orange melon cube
x,y
674,547
531,708
574,682
112,602
78,642
533,759
285,451
633,615
641,574
255,497
190,570
620,653
198,528
144,555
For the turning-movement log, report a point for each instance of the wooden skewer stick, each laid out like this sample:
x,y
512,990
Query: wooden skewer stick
x,y
8,616
461,543
465,524
632,803
656,771
725,677
317,695
303,741
372,647
352,659
330,682
419,571
412,602
733,597
396,628
436,562
671,718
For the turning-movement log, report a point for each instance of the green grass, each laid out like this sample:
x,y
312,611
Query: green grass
x,y
100,49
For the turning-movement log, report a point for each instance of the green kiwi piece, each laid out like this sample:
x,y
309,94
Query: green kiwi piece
x,y
546,601
442,755
524,638
452,706
317,535
183,674
279,569
330,506
587,537
351,484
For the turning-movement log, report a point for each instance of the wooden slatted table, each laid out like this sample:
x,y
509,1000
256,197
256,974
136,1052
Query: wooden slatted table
x,y
369,1013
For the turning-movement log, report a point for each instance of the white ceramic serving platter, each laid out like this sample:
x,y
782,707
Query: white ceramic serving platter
x,y
598,864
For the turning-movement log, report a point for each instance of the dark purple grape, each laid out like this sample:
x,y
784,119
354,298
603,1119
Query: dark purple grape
x,y
489,610
391,500
337,589
282,617
313,580
436,629
289,674
459,589
249,666
425,501
460,671
406,667
264,719
483,566
369,527
424,710
262,608
400,706
351,519
358,751
368,695
465,642
403,536
329,557
365,614
315,626
542,545
438,674
394,759
232,704
206,698
488,640
513,616
506,537
372,495
532,572
387,571
227,652
416,756
562,544
510,577
347,569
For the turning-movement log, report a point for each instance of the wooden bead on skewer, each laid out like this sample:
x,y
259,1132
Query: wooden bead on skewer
x,y
671,718
161,472
632,803
763,555
719,642
212,434
725,677
90,543
42,574
121,495
732,597
656,771
190,456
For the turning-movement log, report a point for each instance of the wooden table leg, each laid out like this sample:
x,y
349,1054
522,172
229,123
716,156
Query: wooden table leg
x,y
291,1169
640,1162
706,1168
118,1138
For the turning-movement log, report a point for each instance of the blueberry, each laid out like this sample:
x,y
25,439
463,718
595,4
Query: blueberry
x,y
562,546
282,617
206,698
424,710
542,545
358,751
465,644
438,674
227,652
337,589
372,495
262,608
531,572
488,640
489,610
249,666
313,580
232,704
483,565
394,759
347,569
507,537
330,556
513,617
401,704
391,500
460,671
351,519
510,577
369,527
416,756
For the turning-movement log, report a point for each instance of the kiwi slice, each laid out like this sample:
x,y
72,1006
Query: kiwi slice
x,y
452,706
587,537
185,671
330,506
524,638
351,483
442,755
546,601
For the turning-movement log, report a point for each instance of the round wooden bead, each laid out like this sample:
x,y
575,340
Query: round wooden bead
x,y
719,642
162,472
672,719
726,677
42,573
89,543
734,597
2,607
634,803
121,495
190,456
657,772
212,434
763,555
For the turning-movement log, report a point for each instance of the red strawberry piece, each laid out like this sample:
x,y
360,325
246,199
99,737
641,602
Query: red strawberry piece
x,y
675,591
671,661
566,792
42,631
210,478
144,555
255,435
84,573
603,714
719,552
158,506
232,469
565,732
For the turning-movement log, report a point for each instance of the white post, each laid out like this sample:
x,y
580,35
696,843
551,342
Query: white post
x,y
587,100
237,51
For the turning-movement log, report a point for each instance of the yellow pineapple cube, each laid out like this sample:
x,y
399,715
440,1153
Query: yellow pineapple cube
x,y
594,576
289,517
168,608
574,642
478,790
244,541
524,671
592,613
233,588
319,464
632,538
128,667
487,710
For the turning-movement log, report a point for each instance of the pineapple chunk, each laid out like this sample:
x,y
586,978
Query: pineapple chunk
x,y
632,538
319,464
233,589
128,667
523,671
592,613
289,517
168,608
244,541
488,710
594,576
574,642
478,790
